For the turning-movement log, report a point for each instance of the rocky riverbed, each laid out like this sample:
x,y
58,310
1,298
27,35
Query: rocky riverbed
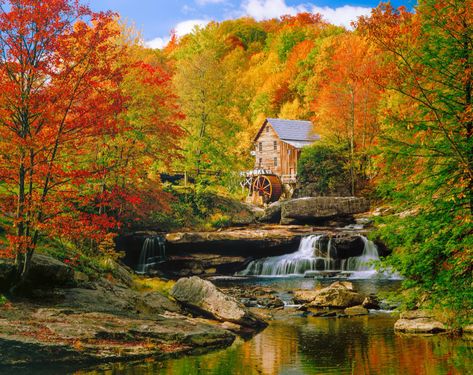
x,y
70,319
106,320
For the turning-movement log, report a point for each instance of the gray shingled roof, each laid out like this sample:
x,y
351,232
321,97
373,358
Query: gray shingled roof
x,y
294,130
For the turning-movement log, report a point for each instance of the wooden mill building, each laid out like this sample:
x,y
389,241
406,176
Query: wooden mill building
x,y
278,145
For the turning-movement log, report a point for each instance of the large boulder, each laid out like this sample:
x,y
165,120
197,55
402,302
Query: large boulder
x,y
46,272
204,298
347,246
319,209
418,321
7,273
272,214
337,295
356,310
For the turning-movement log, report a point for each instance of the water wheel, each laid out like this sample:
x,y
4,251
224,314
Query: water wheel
x,y
268,187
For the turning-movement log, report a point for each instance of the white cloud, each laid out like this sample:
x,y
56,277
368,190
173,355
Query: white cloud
x,y
181,29
341,16
157,43
186,27
266,9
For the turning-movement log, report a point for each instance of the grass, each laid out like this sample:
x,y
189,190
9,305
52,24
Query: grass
x,y
141,284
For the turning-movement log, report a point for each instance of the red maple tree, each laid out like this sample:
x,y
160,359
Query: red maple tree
x,y
60,91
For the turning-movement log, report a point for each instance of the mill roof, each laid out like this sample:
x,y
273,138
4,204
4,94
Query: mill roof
x,y
296,132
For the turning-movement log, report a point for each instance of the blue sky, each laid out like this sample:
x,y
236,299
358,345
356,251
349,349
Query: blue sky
x,y
156,18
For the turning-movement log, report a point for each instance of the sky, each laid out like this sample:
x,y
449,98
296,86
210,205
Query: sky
x,y
156,18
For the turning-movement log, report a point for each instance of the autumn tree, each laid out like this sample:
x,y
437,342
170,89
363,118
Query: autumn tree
x,y
148,142
205,93
346,100
59,91
427,147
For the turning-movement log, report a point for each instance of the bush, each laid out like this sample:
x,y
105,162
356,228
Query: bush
x,y
153,285
219,220
3,300
432,250
324,167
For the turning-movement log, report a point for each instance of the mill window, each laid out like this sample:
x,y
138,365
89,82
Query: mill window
x,y
275,162
275,145
260,146
260,161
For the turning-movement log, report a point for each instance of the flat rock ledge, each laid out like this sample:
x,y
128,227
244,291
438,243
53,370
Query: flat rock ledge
x,y
314,210
418,321
61,336
71,320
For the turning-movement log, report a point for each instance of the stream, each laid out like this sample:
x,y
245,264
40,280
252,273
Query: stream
x,y
294,344
298,344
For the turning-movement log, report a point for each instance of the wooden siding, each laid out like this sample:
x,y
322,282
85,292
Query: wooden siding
x,y
286,154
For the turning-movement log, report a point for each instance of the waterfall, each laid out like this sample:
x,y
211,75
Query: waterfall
x,y
313,257
152,251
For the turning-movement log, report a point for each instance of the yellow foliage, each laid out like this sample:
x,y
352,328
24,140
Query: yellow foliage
x,y
142,284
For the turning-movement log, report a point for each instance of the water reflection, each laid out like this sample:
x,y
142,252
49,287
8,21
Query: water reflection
x,y
296,345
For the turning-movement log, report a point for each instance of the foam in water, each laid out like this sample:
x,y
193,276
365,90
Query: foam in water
x,y
153,250
310,257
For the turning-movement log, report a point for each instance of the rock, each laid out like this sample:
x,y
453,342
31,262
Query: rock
x,y
204,298
418,321
415,314
337,298
122,274
255,296
304,296
7,273
355,310
177,267
272,214
365,221
231,327
152,303
420,325
270,302
64,336
323,313
105,297
337,295
238,242
80,277
371,302
468,328
319,209
343,284
47,272
346,246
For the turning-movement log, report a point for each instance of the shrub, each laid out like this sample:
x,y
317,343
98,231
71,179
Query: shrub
x,y
219,220
324,167
142,284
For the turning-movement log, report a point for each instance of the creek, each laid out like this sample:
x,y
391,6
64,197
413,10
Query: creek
x,y
295,344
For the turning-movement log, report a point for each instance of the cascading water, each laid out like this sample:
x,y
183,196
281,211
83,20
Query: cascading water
x,y
152,251
312,257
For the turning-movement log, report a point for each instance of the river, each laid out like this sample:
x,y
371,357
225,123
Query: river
x,y
294,344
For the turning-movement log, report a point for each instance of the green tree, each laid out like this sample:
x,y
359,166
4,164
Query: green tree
x,y
323,166
428,147
205,90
